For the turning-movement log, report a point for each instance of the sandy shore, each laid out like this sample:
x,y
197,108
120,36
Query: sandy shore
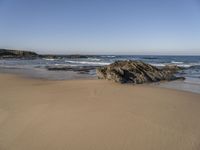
x,y
95,115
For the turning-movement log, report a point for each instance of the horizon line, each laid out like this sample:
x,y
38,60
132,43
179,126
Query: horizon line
x,y
118,53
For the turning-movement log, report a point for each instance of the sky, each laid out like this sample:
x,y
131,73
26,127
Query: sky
x,y
101,26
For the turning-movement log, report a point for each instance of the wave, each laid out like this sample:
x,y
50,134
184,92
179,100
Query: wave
x,y
64,65
88,63
109,56
180,64
184,65
195,67
192,65
94,59
158,64
49,59
177,62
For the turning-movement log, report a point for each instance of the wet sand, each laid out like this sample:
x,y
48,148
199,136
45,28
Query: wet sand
x,y
95,115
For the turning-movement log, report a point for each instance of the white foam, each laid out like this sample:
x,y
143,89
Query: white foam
x,y
49,59
87,62
185,65
176,62
158,64
109,56
65,65
94,59
180,64
189,65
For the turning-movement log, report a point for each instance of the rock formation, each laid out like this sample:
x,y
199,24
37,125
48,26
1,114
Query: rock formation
x,y
172,68
135,72
79,69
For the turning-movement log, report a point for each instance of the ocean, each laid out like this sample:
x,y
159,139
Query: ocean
x,y
38,68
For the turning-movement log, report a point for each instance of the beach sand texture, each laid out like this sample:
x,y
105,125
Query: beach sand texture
x,y
95,115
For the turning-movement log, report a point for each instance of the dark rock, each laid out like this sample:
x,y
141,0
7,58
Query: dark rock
x,y
79,69
64,56
135,72
172,68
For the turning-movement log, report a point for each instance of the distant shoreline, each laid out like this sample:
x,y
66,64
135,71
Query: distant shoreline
x,y
14,52
83,66
8,53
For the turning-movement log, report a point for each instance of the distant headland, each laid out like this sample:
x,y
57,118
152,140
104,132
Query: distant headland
x,y
9,53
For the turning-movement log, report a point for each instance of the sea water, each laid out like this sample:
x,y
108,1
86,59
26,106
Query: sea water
x,y
37,67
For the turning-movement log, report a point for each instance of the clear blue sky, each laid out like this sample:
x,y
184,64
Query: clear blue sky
x,y
101,26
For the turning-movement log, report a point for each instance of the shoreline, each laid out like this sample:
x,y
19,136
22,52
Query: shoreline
x,y
156,85
95,114
79,67
71,75
38,73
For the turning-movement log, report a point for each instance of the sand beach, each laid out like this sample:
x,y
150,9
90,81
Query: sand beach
x,y
95,115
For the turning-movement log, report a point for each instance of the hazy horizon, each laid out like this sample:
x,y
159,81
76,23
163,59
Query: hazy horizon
x,y
112,27
67,52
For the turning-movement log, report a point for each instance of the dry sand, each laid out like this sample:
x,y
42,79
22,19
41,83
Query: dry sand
x,y
95,115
